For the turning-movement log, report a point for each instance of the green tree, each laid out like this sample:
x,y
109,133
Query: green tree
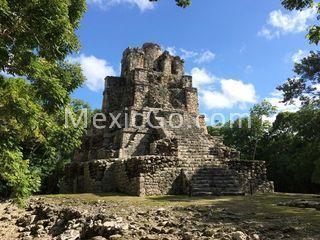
x,y
34,141
292,151
215,130
306,82
245,133
305,85
35,38
30,30
314,30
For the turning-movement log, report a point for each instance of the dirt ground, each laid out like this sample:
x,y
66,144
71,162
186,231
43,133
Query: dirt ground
x,y
112,216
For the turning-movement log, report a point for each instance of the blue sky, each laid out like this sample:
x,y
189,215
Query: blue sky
x,y
237,51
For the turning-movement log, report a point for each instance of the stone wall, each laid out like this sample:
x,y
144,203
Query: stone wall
x,y
192,100
160,175
156,175
252,176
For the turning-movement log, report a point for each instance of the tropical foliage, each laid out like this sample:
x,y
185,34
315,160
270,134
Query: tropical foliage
x,y
35,87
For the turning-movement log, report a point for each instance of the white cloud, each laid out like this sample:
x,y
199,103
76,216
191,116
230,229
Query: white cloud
x,y
214,99
95,70
268,34
282,107
282,23
238,92
143,5
171,50
232,92
188,54
199,57
298,56
201,77
276,100
293,22
206,56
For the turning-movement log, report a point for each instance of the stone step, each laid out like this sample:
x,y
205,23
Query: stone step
x,y
214,176
210,193
215,181
240,193
202,193
216,171
201,185
217,190
217,175
230,190
215,184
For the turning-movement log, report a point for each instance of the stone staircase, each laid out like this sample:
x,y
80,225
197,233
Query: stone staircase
x,y
209,175
191,142
215,181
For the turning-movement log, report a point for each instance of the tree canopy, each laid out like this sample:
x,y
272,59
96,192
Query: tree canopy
x,y
305,86
35,87
30,30
291,149
245,133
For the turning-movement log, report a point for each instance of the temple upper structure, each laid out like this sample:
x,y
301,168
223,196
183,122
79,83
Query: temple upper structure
x,y
152,139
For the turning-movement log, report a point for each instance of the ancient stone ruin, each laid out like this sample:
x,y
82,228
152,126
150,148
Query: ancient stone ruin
x,y
153,140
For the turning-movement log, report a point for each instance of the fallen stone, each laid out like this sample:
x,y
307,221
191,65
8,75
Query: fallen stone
x,y
150,237
27,238
256,237
109,224
98,238
69,235
238,236
26,221
208,233
116,236
6,217
187,236
156,229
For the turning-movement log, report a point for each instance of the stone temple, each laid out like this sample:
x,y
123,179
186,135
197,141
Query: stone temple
x,y
153,141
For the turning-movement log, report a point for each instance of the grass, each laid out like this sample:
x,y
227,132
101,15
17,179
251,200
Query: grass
x,y
168,200
257,203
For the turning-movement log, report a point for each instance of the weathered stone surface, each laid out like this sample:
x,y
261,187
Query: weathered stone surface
x,y
69,235
159,143
161,219
98,238
239,236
